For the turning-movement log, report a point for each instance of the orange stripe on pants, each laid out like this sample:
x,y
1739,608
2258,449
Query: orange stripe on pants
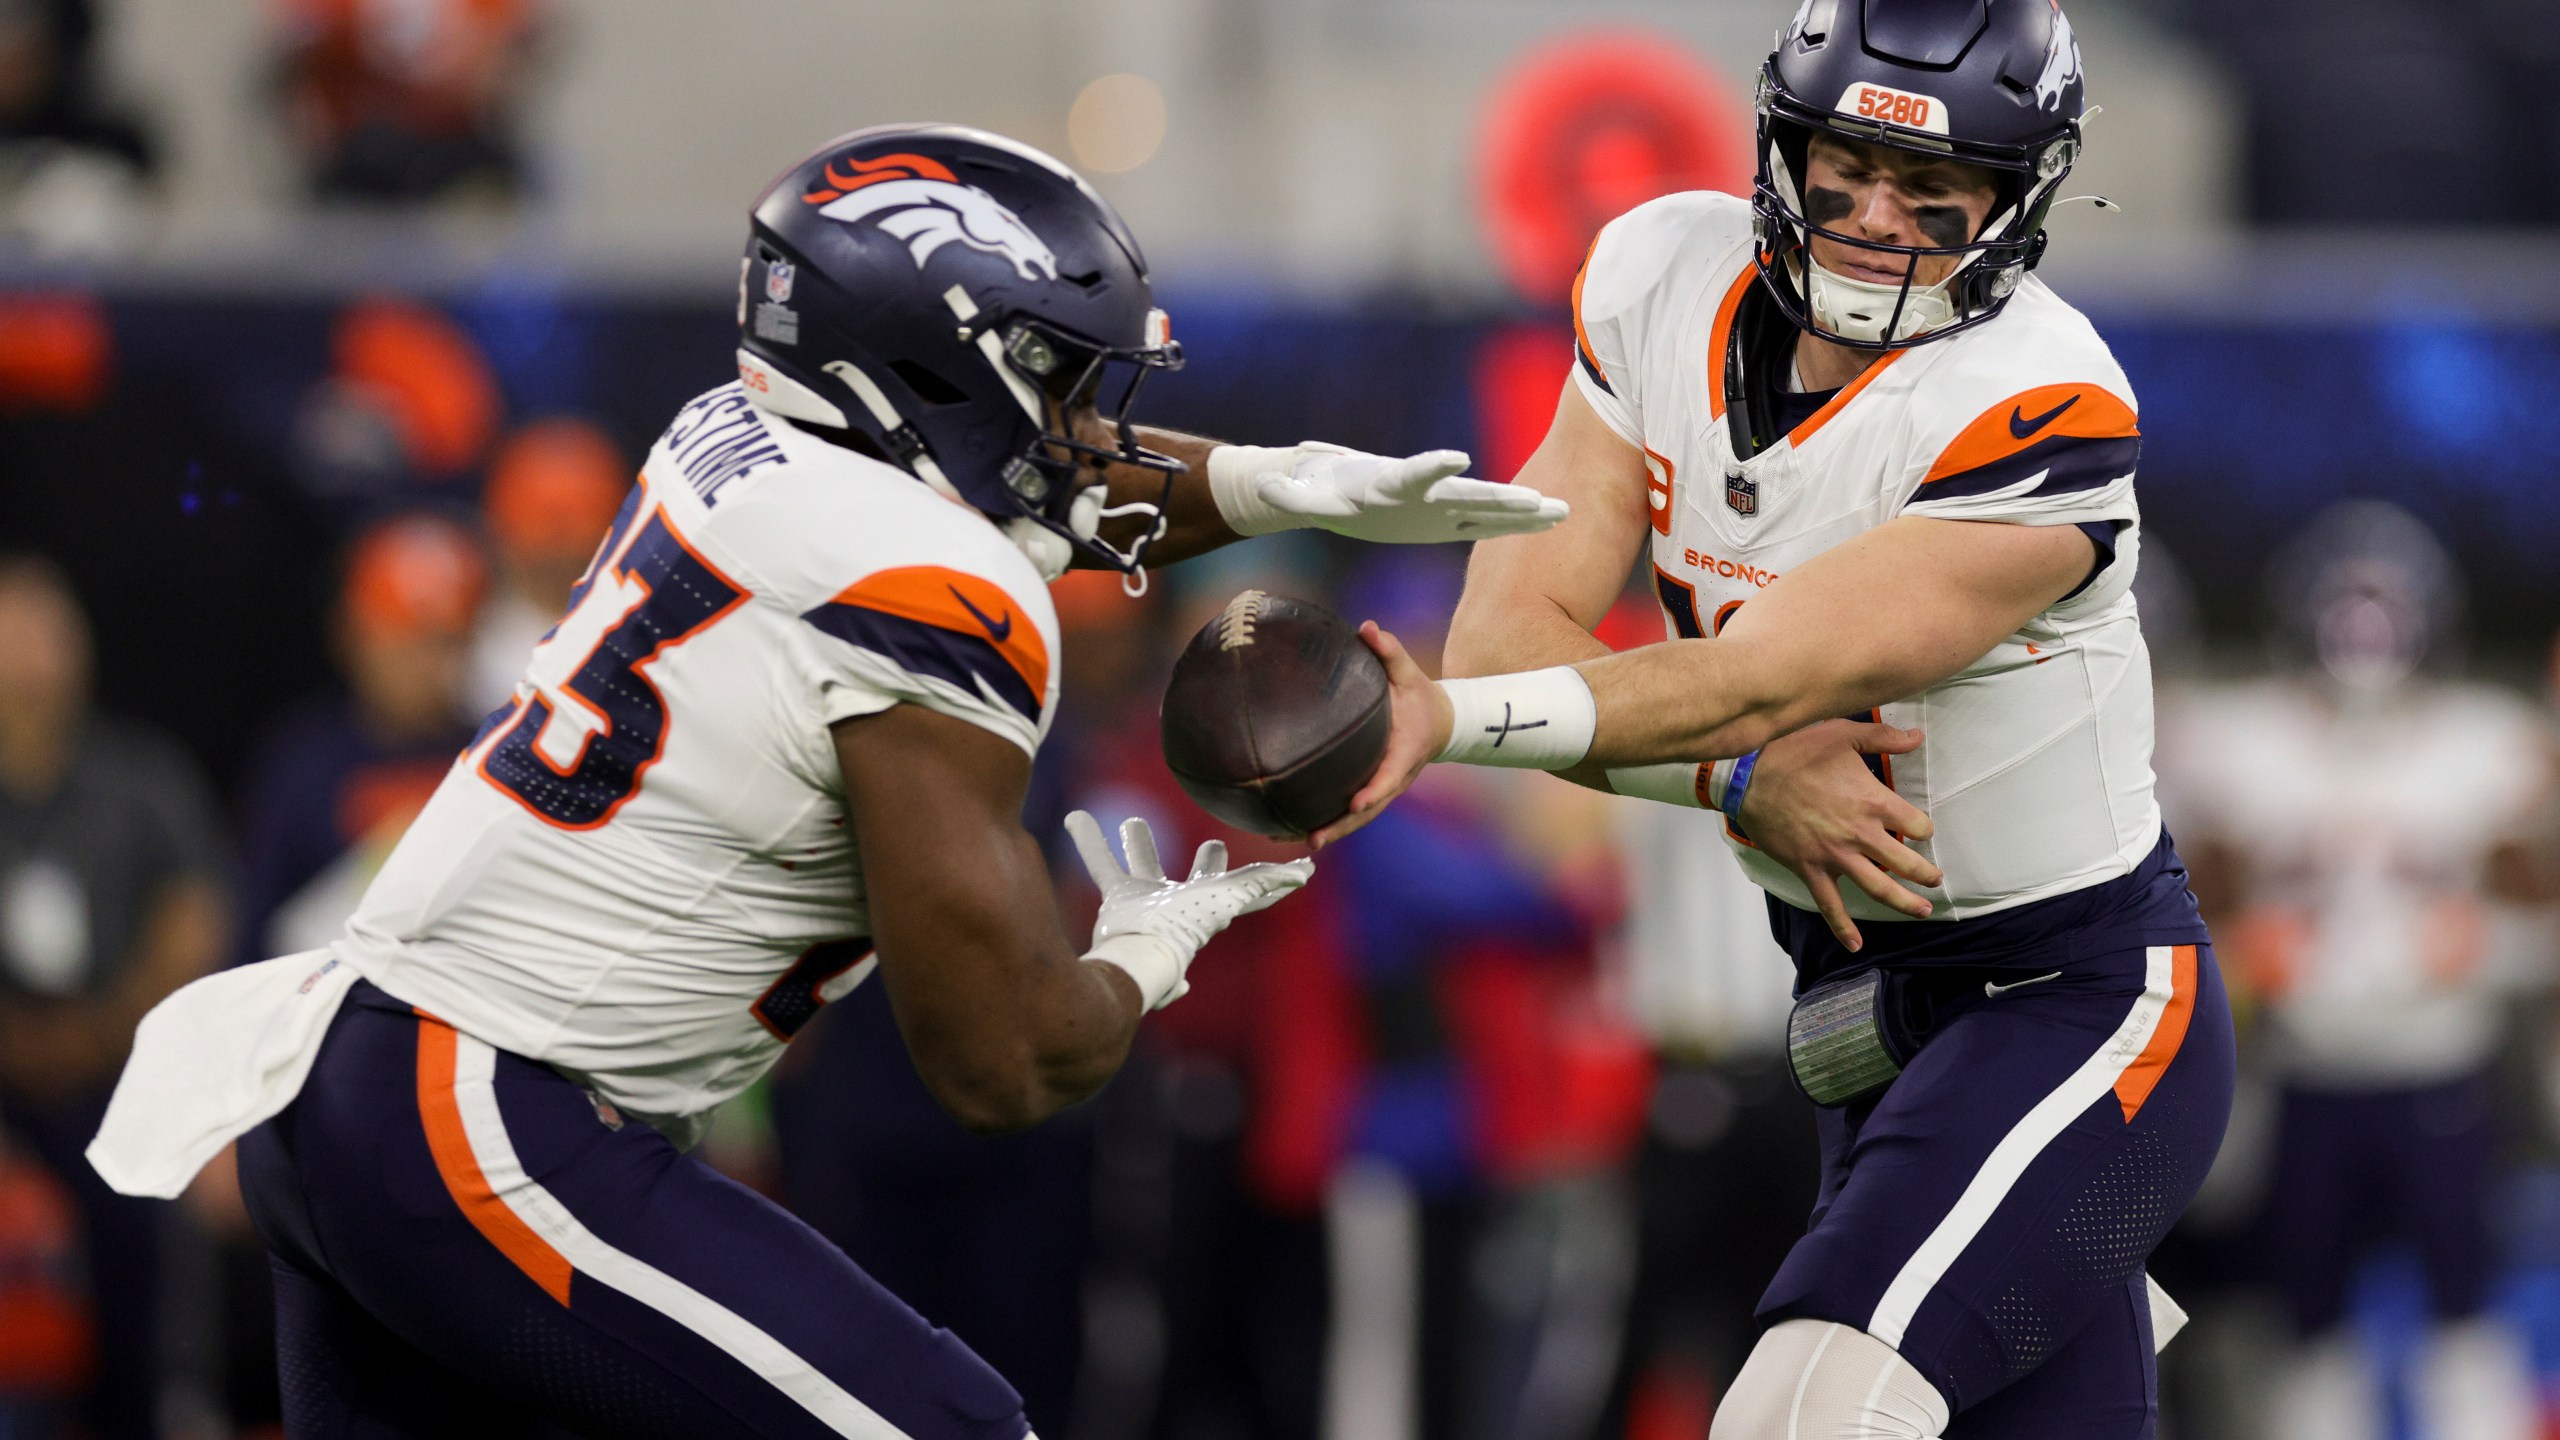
x,y
451,1146
2135,1084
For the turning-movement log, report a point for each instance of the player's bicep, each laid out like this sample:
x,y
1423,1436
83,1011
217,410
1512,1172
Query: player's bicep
x,y
958,892
1899,608
1577,569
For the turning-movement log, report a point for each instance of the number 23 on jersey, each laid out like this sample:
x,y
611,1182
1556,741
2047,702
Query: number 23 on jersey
x,y
575,749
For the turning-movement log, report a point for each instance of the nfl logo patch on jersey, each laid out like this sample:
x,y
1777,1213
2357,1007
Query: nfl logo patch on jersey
x,y
777,281
1742,493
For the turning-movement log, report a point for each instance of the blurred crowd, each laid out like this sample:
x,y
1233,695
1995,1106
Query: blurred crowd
x,y
370,102
2349,113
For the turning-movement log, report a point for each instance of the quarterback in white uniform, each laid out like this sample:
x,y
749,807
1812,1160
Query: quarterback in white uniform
x,y
779,743
1885,473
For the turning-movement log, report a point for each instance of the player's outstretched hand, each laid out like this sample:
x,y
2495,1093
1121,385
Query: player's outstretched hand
x,y
1418,500
1417,731
1181,914
1815,807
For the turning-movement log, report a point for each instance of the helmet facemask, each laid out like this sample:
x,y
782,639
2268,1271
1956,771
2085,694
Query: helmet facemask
x,y
1870,315
1079,396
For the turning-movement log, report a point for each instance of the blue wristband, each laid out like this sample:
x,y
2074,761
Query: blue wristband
x,y
1737,785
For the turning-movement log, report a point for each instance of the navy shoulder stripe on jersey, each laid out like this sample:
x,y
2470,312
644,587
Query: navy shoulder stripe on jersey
x,y
1582,358
969,661
2059,464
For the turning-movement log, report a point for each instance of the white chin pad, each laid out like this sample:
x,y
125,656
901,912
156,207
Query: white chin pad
x,y
1860,309
1084,513
1047,550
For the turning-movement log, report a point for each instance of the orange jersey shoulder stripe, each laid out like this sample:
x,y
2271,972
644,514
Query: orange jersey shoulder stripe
x,y
451,1146
2078,411
2134,1086
1720,339
1582,337
960,602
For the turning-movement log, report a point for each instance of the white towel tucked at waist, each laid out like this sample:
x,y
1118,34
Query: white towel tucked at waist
x,y
211,1063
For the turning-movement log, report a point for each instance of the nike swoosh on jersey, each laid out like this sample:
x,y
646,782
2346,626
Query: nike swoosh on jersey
x,y
995,631
2022,427
1994,992
939,622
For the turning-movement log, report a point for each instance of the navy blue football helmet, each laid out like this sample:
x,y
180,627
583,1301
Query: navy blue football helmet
x,y
1993,83
948,300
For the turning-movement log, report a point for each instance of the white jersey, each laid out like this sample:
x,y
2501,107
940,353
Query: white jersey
x,y
2037,767
2364,838
641,872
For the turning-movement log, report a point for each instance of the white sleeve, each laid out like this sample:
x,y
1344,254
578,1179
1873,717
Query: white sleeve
x,y
1617,294
2055,454
1600,350
952,641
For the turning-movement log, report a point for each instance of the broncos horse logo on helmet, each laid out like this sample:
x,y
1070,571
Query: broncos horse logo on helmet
x,y
2061,64
959,305
924,204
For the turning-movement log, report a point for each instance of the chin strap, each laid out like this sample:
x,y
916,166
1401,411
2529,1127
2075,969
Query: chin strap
x,y
1861,309
1133,574
1054,554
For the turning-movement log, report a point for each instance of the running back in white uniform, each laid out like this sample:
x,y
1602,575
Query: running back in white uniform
x,y
655,904
2380,955
2036,770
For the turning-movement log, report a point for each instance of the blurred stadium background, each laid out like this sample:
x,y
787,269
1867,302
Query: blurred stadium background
x,y
330,331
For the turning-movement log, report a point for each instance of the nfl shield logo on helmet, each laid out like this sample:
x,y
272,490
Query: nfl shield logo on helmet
x,y
1742,493
777,281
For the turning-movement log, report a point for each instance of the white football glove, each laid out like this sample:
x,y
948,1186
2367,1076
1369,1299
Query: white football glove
x,y
1419,500
1151,926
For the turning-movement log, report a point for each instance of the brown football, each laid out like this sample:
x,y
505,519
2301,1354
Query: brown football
x,y
1277,714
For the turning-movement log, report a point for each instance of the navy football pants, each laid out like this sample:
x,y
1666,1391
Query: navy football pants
x,y
1989,1213
465,1244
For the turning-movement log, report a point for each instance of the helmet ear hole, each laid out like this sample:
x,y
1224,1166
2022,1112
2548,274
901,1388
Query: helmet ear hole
x,y
928,386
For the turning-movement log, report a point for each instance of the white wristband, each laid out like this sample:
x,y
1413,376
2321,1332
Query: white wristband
x,y
1533,720
1673,782
1151,962
1234,471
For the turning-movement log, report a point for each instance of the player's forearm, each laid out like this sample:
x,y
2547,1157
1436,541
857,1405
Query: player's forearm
x,y
1504,632
1700,700
1682,701
1006,1023
1843,633
1054,1032
1193,525
1080,1037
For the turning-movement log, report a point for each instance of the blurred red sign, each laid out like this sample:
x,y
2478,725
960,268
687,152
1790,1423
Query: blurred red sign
x,y
1587,127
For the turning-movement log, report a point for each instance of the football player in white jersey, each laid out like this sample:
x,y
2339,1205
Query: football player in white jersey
x,y
778,744
1884,472
2384,967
